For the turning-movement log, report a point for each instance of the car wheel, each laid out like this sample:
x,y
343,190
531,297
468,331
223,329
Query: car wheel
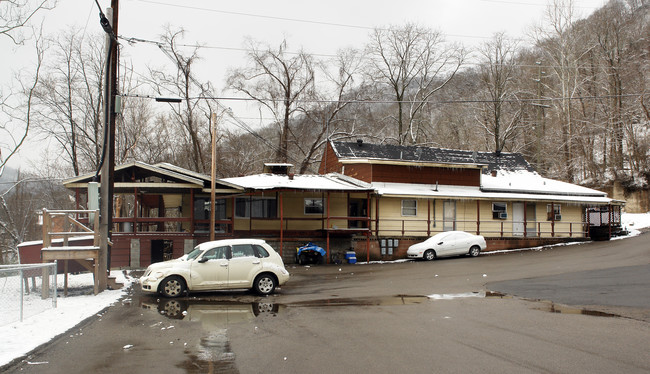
x,y
302,259
264,284
320,259
173,286
474,250
429,255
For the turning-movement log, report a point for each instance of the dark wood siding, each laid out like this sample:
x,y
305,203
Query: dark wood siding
x,y
121,253
360,171
425,175
329,162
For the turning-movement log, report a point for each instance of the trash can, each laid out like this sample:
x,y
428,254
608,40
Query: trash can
x,y
351,257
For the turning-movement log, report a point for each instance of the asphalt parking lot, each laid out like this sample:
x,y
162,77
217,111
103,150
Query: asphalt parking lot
x,y
580,308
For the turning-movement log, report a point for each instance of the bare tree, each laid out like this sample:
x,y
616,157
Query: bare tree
x,y
278,81
18,107
501,116
414,63
564,51
15,14
323,121
193,114
70,99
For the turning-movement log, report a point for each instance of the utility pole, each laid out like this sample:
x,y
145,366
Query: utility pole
x,y
108,162
213,130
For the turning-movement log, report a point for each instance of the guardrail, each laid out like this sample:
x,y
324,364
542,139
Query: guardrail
x,y
17,299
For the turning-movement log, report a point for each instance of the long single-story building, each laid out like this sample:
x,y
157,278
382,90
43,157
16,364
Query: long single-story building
x,y
373,199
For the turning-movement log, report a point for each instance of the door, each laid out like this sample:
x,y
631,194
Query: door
x,y
358,208
449,215
531,220
211,270
243,265
517,219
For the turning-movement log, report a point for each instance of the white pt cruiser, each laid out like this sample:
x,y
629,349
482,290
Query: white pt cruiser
x,y
218,265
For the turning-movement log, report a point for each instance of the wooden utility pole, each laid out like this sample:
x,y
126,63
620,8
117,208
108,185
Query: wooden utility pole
x,y
213,130
108,163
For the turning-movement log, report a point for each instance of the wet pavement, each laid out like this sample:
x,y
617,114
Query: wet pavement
x,y
452,315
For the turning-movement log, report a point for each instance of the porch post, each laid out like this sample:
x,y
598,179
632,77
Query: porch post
x,y
525,220
609,220
136,210
192,212
232,216
377,216
281,222
328,227
478,217
368,246
428,217
552,219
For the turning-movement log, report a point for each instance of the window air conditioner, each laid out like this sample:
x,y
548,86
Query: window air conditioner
x,y
503,215
558,217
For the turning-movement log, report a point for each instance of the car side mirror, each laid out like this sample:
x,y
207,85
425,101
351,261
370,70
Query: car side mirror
x,y
440,243
203,260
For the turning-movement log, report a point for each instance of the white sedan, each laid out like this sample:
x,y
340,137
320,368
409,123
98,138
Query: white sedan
x,y
218,265
449,243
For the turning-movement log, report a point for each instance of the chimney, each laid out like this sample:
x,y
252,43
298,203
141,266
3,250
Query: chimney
x,y
494,173
359,142
291,176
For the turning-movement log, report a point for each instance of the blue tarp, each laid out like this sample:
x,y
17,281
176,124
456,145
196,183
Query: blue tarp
x,y
312,247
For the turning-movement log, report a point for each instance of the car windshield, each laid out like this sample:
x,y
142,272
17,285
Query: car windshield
x,y
194,254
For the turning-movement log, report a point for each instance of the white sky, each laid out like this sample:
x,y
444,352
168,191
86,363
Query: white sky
x,y
318,27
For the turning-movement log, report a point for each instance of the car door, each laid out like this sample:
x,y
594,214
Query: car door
x,y
244,265
210,271
463,242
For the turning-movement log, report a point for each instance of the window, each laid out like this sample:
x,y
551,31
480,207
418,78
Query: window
x,y
261,251
409,208
388,246
314,206
499,211
217,253
553,212
243,250
256,207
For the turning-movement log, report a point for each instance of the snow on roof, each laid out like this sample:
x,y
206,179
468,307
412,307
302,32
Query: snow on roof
x,y
520,185
531,182
332,182
472,193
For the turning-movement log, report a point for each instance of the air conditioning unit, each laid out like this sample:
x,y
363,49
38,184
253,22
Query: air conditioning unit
x,y
558,217
503,215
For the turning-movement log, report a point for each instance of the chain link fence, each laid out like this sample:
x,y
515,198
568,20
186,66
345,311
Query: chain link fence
x,y
26,290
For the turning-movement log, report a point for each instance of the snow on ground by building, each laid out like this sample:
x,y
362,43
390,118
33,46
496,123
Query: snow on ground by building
x,y
19,338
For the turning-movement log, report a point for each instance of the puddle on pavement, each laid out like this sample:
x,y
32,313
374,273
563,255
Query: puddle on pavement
x,y
565,309
213,355
363,301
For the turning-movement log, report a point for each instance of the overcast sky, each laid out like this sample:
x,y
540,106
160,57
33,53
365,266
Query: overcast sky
x,y
319,28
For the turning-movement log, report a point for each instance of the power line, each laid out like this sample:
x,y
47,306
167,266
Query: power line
x,y
133,40
461,101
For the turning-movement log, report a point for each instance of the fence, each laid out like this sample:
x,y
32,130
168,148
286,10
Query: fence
x,y
26,290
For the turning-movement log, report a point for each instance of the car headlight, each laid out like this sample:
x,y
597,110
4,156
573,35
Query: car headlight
x,y
156,275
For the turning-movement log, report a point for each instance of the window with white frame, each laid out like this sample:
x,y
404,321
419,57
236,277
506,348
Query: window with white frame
x,y
314,205
553,212
409,207
499,211
256,207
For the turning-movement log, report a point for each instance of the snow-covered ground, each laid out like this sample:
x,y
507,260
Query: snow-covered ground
x,y
19,338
